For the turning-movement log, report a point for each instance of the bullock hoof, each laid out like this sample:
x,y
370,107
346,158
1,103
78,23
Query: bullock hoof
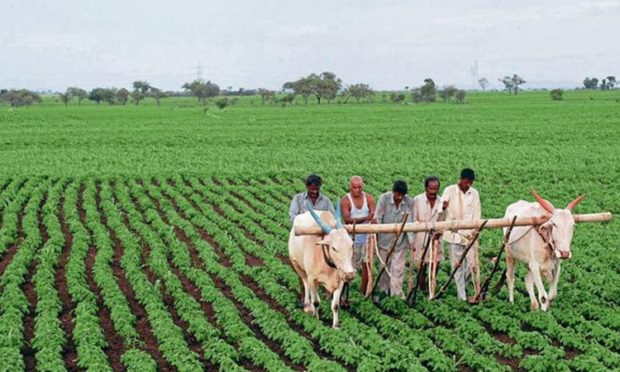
x,y
336,326
345,304
308,309
534,306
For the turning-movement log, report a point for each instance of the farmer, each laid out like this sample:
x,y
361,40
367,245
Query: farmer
x,y
358,208
318,201
462,202
427,208
391,208
313,194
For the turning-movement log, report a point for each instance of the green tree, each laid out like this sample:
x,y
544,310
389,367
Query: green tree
x,y
556,94
157,94
516,81
265,94
122,95
64,98
19,97
202,90
460,96
428,90
359,91
447,93
96,95
590,83
78,93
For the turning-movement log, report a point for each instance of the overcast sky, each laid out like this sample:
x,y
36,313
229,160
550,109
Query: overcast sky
x,y
263,43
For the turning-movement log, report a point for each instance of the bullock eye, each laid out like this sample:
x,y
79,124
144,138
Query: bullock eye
x,y
334,248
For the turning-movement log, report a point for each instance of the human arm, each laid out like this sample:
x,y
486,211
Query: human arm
x,y
293,210
380,210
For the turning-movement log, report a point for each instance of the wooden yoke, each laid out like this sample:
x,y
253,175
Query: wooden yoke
x,y
493,223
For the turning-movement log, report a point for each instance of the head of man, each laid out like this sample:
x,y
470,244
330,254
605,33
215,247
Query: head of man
x,y
399,190
313,186
467,179
356,186
431,185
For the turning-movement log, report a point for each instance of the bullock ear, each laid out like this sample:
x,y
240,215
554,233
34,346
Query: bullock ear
x,y
543,203
574,203
545,227
322,242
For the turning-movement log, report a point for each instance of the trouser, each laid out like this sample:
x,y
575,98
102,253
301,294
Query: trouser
x,y
359,254
456,251
396,267
468,269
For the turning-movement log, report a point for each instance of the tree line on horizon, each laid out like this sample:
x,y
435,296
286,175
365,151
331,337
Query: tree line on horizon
x,y
325,86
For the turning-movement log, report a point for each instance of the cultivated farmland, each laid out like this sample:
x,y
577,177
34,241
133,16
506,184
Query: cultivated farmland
x,y
145,238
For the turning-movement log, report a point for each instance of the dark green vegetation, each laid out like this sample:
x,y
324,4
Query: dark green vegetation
x,y
144,237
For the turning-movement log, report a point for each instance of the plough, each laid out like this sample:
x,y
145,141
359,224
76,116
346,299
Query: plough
x,y
439,227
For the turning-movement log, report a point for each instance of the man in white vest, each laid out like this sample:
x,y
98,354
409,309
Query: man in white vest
x,y
462,202
358,208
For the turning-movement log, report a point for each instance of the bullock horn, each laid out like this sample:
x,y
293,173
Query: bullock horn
x,y
326,229
338,216
543,203
574,203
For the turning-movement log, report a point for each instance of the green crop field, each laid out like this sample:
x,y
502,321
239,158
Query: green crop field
x,y
155,238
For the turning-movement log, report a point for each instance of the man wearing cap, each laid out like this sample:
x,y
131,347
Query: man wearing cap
x,y
391,208
358,208
313,194
462,202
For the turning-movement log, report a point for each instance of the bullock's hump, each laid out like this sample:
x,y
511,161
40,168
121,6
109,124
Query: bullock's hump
x,y
524,208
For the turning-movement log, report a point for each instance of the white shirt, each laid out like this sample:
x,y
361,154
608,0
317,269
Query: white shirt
x,y
423,212
462,206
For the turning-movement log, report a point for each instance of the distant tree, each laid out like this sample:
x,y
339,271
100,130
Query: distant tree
x,y
122,95
202,90
397,97
266,94
157,94
428,91
484,83
140,91
96,95
516,81
590,83
301,86
326,86
136,97
447,92
611,82
19,97
64,98
108,95
556,94
141,86
508,85
460,96
221,103
287,99
603,84
416,95
359,91
78,93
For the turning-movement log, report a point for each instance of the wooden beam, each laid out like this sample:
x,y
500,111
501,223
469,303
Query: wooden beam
x,y
493,223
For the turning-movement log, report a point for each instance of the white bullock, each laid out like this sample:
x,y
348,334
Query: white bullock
x,y
322,260
540,247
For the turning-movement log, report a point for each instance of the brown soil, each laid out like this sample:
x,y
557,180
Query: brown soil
x,y
192,343
8,255
66,315
31,295
115,347
195,292
215,181
142,325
